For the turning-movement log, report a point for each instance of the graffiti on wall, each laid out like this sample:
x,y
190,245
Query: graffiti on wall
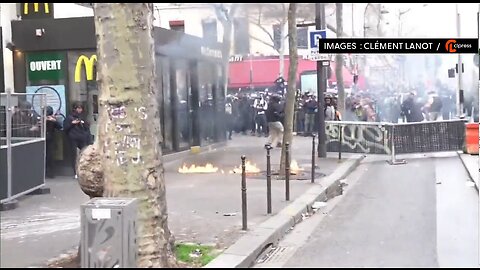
x,y
357,138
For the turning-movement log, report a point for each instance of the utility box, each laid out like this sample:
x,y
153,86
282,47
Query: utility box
x,y
108,235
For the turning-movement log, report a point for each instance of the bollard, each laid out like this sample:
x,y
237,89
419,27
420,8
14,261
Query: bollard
x,y
244,195
313,158
287,172
269,180
340,141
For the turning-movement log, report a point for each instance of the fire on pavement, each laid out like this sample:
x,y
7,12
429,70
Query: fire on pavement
x,y
208,168
249,168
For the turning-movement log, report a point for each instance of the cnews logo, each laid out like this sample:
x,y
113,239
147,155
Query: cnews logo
x,y
449,45
35,8
88,63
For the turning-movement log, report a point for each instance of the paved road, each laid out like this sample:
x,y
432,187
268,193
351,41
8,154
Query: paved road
x,y
422,214
196,204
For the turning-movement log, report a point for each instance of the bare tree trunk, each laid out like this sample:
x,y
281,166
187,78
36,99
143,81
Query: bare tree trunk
x,y
129,127
227,23
339,61
227,41
281,51
292,83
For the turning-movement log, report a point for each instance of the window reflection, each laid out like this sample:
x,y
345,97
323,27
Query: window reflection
x,y
183,108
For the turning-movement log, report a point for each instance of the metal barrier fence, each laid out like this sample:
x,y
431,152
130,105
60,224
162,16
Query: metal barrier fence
x,y
377,138
22,144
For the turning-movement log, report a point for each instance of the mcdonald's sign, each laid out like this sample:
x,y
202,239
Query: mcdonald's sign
x,y
37,10
88,63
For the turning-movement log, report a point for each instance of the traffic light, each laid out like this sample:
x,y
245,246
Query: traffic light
x,y
456,68
451,73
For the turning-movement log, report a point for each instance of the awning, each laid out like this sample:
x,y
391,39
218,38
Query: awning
x,y
262,72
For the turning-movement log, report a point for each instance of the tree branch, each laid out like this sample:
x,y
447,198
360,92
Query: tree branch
x,y
334,30
266,31
264,42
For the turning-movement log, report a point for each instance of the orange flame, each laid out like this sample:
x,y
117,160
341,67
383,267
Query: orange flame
x,y
209,168
249,168
294,167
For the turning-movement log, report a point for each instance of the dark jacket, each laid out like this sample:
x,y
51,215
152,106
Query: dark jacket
x,y
310,106
412,110
51,126
79,131
274,112
23,122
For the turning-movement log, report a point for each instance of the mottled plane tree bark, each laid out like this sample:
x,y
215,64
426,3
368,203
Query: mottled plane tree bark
x,y
129,126
292,83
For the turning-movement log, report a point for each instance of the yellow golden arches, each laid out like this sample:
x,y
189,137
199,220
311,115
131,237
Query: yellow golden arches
x,y
88,63
35,8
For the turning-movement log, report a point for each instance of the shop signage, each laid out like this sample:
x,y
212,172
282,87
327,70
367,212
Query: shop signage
x,y
205,51
45,66
236,58
88,63
37,10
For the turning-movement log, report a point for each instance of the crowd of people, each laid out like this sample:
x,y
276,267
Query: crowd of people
x,y
399,107
262,113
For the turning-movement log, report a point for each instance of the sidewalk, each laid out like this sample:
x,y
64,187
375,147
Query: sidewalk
x,y
471,164
44,226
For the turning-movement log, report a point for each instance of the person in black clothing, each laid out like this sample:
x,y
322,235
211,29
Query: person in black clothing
x,y
25,122
244,114
77,130
274,115
310,112
51,126
411,109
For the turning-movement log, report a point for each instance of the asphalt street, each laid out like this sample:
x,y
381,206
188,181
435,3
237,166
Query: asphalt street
x,y
46,226
421,214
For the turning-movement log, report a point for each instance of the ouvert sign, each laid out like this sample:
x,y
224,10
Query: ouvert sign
x,y
45,66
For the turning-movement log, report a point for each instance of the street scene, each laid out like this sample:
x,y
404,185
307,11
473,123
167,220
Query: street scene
x,y
218,135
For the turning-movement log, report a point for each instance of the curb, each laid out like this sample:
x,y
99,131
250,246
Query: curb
x,y
245,251
468,171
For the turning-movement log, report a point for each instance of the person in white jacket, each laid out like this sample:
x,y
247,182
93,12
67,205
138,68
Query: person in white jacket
x,y
260,105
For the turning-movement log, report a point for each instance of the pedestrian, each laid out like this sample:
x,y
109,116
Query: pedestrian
x,y
244,114
274,115
260,105
52,125
25,122
229,119
77,130
300,115
329,109
310,111
434,106
411,109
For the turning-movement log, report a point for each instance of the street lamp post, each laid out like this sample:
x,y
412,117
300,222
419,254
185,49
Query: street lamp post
x,y
320,24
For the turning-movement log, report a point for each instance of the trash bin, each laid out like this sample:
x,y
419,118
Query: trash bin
x,y
471,138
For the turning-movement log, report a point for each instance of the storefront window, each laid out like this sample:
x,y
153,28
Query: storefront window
x,y
165,108
82,74
183,104
206,102
46,74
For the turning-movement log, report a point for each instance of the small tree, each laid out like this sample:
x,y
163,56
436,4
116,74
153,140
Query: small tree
x,y
265,15
129,136
292,82
225,17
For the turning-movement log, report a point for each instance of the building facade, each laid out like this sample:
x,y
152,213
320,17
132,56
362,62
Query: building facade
x,y
58,57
